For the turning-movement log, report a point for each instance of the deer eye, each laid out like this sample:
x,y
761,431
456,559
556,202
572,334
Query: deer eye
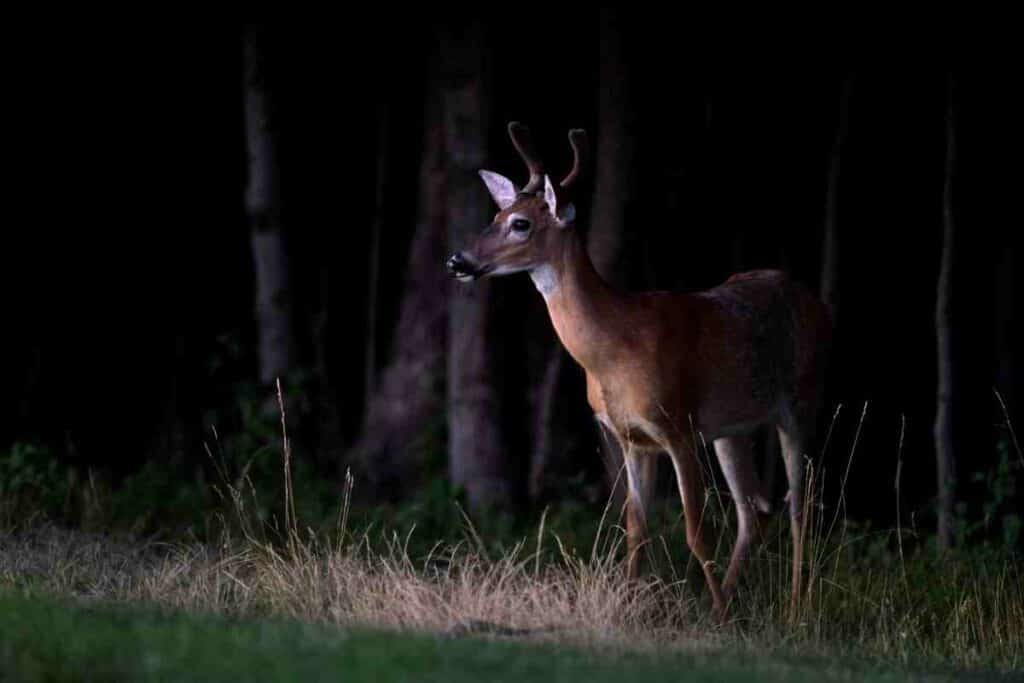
x,y
520,225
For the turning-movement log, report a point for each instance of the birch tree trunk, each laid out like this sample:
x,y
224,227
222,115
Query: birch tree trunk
x,y
944,415
263,205
477,457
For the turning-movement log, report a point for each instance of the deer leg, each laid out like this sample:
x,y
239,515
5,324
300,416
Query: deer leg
x,y
796,466
691,490
640,470
736,456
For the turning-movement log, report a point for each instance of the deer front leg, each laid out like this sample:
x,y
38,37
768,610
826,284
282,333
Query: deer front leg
x,y
691,490
640,470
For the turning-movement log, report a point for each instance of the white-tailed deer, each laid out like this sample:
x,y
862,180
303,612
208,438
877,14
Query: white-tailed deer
x,y
659,365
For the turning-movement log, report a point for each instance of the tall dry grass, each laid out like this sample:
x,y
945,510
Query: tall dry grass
x,y
956,610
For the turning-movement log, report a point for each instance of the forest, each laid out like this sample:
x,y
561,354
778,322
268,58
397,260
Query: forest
x,y
245,227
286,212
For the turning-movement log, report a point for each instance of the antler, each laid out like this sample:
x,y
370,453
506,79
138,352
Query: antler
x,y
520,135
578,140
523,143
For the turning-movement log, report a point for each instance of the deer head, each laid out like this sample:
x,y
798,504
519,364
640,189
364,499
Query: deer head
x,y
530,221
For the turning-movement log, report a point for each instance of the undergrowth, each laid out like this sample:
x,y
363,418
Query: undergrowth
x,y
873,595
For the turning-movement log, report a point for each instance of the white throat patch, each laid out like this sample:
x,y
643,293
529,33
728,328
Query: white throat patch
x,y
545,279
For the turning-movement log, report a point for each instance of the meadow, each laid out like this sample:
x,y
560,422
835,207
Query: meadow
x,y
264,595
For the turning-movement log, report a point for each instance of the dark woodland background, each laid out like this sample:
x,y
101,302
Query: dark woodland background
x,y
133,288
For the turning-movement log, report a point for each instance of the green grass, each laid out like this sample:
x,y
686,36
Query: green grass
x,y
50,640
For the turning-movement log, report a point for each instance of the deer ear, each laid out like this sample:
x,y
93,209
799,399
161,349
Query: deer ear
x,y
563,214
502,190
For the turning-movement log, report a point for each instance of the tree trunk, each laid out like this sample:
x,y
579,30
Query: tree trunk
x,y
327,409
174,443
477,458
830,247
613,186
944,415
1008,337
406,404
372,303
263,205
549,433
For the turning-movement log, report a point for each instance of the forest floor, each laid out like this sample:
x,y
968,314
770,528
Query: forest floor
x,y
78,606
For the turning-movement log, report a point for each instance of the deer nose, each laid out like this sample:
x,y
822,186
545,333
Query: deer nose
x,y
460,266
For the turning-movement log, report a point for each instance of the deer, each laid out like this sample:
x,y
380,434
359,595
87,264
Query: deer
x,y
661,366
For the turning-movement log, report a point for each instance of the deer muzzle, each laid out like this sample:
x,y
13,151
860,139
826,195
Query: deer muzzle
x,y
463,268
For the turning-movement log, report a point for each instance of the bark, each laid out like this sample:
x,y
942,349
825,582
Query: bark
x,y
327,408
615,154
830,248
1008,338
407,401
263,205
550,436
175,441
383,155
477,458
613,184
944,417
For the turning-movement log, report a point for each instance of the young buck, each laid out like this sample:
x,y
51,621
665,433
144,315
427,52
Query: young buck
x,y
660,365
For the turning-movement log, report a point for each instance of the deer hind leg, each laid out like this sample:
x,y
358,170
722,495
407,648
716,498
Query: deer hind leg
x,y
691,490
793,453
640,479
736,456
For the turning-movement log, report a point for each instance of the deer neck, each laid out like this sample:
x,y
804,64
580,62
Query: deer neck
x,y
585,311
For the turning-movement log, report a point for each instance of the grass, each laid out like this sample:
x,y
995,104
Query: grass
x,y
49,640
375,603
953,614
